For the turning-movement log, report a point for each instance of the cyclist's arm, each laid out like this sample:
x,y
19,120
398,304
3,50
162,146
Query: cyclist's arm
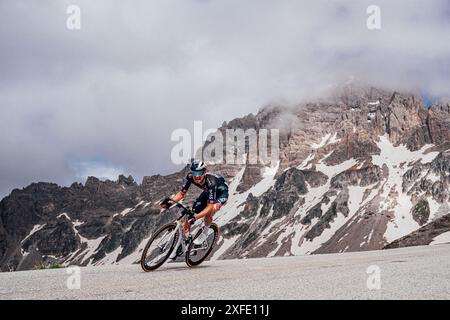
x,y
179,196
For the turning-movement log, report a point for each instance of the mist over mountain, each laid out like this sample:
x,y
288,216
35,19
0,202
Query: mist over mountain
x,y
363,169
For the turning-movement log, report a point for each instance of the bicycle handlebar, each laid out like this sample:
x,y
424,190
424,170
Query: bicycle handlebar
x,y
186,210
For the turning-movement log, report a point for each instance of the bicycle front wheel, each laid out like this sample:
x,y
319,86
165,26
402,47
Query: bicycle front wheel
x,y
159,247
196,254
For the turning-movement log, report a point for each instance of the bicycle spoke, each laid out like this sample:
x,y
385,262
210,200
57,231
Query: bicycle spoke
x,y
165,243
198,252
158,250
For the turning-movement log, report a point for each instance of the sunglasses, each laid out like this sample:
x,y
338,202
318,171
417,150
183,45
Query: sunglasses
x,y
198,173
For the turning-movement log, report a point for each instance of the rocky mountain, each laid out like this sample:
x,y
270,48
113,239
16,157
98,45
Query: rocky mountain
x,y
365,169
434,232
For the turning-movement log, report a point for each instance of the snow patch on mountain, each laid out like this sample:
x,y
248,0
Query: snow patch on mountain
x,y
110,258
398,159
331,171
326,140
35,229
126,211
236,200
227,243
442,238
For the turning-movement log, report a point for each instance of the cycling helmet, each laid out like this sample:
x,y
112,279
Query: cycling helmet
x,y
198,166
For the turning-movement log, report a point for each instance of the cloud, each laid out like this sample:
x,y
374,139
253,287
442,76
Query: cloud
x,y
117,88
97,168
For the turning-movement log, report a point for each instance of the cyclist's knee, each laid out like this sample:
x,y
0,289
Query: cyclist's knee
x,y
208,220
217,206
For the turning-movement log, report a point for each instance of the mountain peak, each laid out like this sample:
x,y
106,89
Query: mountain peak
x,y
126,180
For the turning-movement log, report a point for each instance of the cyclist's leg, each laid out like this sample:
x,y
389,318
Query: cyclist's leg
x,y
220,202
197,207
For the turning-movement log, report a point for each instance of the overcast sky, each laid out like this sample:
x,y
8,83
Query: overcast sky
x,y
105,99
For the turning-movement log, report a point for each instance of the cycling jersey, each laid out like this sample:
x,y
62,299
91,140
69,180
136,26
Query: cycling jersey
x,y
214,185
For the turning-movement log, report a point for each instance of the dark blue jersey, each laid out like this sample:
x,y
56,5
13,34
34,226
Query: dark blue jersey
x,y
213,184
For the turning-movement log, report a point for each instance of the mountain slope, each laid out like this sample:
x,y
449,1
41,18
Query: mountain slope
x,y
356,172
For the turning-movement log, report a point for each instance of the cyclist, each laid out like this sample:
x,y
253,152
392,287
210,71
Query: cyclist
x,y
213,197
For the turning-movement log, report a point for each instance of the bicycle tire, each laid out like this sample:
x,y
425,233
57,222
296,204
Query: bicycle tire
x,y
144,266
192,263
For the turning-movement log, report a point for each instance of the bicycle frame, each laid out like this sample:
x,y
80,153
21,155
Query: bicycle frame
x,y
183,239
185,214
181,236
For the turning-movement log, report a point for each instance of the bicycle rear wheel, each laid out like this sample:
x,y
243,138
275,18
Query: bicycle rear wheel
x,y
159,247
196,254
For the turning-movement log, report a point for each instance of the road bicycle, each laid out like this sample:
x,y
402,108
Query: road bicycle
x,y
171,237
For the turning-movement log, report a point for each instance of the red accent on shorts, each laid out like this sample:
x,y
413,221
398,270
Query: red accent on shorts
x,y
218,205
211,201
